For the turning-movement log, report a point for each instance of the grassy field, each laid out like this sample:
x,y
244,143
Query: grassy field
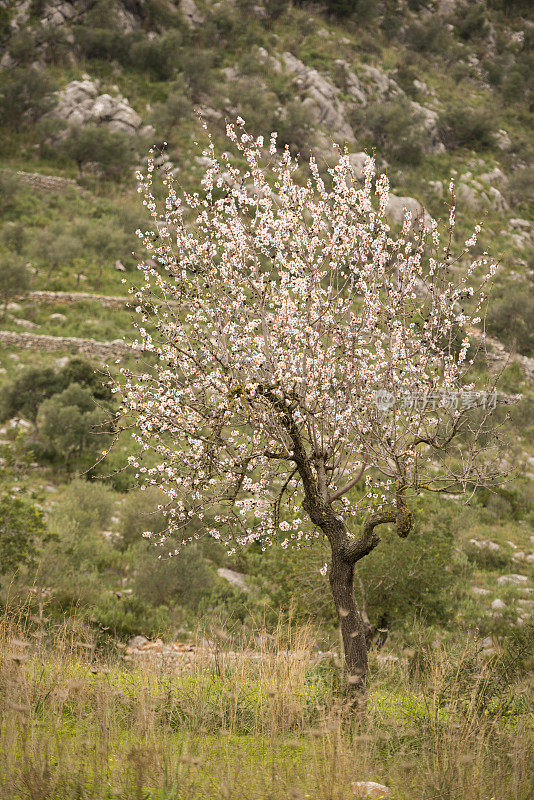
x,y
438,724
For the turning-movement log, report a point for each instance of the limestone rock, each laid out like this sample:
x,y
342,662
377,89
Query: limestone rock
x,y
322,99
370,789
496,175
430,124
59,12
515,579
79,103
396,207
192,15
234,578
358,162
502,140
385,87
497,200
20,14
498,605
353,85
467,196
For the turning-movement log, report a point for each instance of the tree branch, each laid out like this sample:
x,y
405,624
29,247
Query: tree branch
x,y
348,486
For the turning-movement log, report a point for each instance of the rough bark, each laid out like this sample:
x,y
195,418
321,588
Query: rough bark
x,y
341,578
346,552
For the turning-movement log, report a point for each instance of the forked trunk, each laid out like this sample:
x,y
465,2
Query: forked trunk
x,y
350,621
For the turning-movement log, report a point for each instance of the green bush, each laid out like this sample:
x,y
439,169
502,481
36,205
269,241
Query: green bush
x,y
520,187
105,44
183,580
26,393
510,319
26,93
471,21
295,127
112,152
14,279
9,191
22,530
461,126
70,424
161,56
22,47
196,66
395,129
429,36
85,508
139,513
174,110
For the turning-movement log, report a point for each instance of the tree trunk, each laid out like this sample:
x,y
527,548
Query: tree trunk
x,y
350,621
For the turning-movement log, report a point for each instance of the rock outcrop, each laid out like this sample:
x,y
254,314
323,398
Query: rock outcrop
x,y
396,207
80,103
191,14
321,98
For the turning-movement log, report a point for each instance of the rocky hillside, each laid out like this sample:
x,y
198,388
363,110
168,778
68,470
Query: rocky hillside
x,y
435,89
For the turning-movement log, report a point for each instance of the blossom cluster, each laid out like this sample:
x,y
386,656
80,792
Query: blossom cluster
x,y
275,300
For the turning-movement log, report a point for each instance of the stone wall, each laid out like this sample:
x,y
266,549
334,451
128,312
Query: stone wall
x,y
52,344
70,298
47,183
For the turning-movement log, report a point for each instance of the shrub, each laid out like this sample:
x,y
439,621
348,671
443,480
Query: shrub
x,y
108,45
274,9
35,384
521,186
27,392
9,191
428,36
70,423
511,319
85,508
184,579
25,95
139,513
14,279
515,86
176,107
22,47
22,529
295,126
471,21
395,129
161,56
13,236
196,66
460,126
112,152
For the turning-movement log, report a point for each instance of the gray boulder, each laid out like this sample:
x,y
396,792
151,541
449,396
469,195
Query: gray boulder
x,y
383,86
79,103
396,207
191,14
353,86
322,98
517,580
467,196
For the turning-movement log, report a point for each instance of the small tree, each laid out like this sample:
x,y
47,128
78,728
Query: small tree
x,y
308,351
14,279
22,529
70,422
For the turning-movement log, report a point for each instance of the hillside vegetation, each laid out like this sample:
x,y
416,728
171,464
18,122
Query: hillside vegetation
x,y
435,90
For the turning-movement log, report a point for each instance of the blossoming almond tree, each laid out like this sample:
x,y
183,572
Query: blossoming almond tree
x,y
302,349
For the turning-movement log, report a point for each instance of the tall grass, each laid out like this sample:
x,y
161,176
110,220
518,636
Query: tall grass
x,y
265,723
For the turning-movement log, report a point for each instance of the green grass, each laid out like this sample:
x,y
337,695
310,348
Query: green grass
x,y
272,727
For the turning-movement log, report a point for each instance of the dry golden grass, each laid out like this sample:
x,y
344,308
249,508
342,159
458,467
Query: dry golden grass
x,y
76,726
